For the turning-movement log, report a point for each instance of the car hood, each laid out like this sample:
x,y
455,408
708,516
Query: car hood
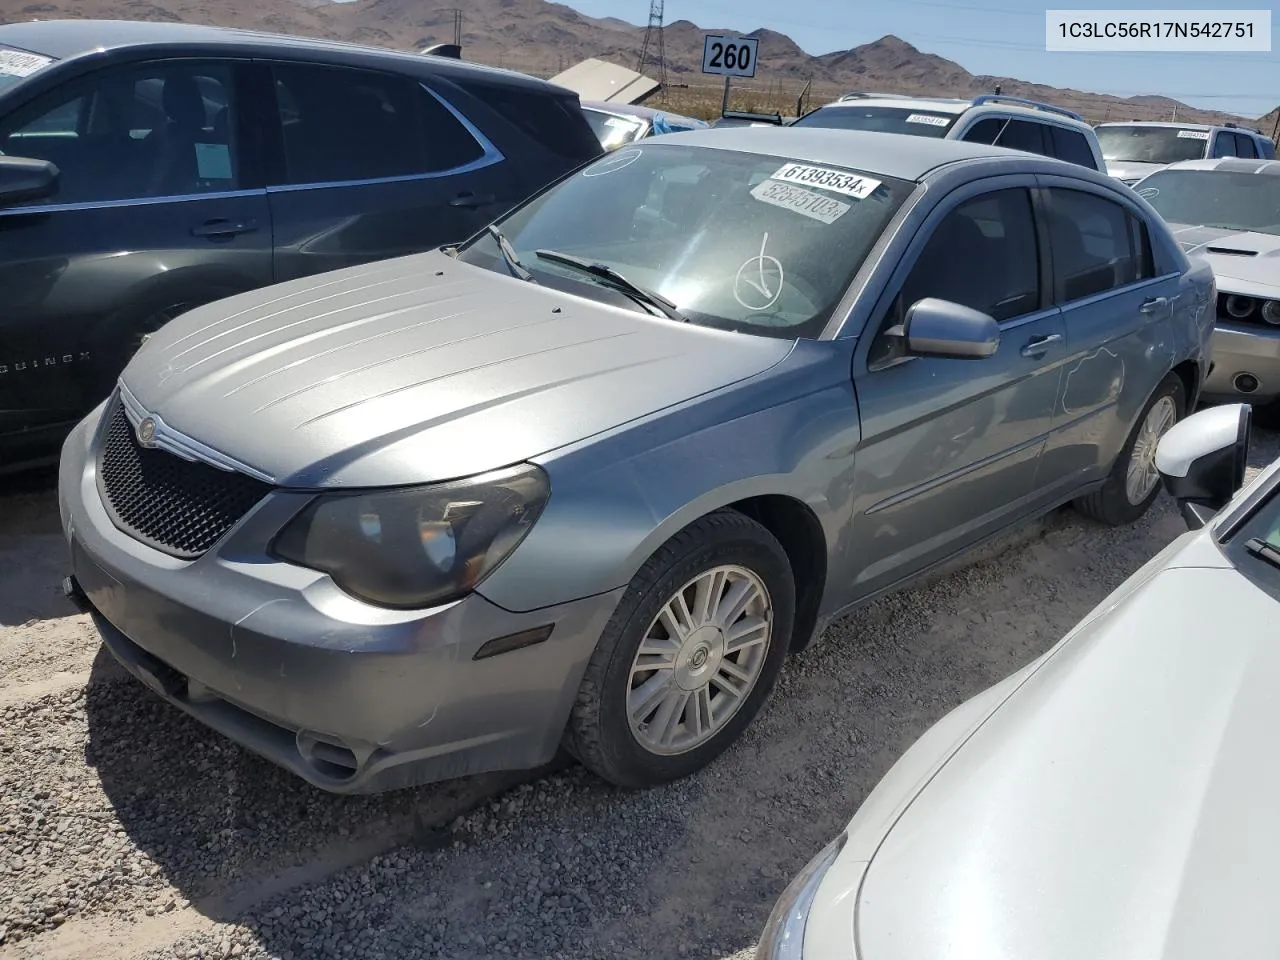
x,y
1131,169
420,369
1252,258
1120,805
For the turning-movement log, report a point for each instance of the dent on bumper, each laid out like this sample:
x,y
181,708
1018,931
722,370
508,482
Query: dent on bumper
x,y
351,698
1236,351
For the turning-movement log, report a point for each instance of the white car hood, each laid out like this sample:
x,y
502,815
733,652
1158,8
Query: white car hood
x,y
1243,256
1121,805
1131,169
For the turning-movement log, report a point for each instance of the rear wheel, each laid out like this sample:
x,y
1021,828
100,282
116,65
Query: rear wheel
x,y
690,655
1134,482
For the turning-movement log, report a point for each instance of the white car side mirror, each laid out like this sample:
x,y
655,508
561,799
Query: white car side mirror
x,y
1203,459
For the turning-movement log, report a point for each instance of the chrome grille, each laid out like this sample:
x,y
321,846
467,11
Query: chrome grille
x,y
174,505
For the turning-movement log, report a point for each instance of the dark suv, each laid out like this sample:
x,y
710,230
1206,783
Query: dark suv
x,y
152,167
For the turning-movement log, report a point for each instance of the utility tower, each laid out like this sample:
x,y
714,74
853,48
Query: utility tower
x,y
653,50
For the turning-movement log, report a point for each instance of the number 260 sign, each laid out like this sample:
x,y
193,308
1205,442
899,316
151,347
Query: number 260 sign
x,y
730,56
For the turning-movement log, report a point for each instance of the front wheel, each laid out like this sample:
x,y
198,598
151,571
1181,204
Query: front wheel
x,y
690,655
1134,481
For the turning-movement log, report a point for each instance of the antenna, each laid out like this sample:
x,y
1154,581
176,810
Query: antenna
x,y
653,50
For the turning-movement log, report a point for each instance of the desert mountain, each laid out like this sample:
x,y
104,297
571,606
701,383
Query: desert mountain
x,y
541,37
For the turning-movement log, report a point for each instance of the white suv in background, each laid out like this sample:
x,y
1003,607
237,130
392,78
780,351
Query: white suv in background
x,y
1133,150
991,118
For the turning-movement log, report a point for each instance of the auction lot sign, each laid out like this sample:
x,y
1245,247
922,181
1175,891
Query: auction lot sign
x,y
729,56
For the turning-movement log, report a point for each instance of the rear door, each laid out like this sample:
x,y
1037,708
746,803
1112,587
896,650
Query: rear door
x,y
160,207
1116,313
372,165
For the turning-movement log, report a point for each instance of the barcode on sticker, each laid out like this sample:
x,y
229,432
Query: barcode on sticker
x,y
850,184
15,63
929,119
798,199
1194,134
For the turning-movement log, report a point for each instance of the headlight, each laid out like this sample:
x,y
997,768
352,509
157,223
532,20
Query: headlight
x,y
783,936
1271,312
413,547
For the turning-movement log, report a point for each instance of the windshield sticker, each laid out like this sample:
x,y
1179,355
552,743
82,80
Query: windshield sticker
x,y
929,119
618,122
1194,134
616,162
801,201
850,184
758,283
16,63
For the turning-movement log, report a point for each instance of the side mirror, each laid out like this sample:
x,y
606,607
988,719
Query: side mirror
x,y
23,179
940,328
1203,459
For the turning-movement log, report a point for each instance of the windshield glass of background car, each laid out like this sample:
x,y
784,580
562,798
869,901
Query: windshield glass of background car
x,y
612,131
738,241
921,123
1235,201
17,65
1151,144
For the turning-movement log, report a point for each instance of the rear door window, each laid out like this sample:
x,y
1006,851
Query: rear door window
x,y
1095,246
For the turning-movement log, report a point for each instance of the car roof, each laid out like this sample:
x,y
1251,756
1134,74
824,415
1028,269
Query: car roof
x,y
899,155
936,104
1230,165
1168,124
69,39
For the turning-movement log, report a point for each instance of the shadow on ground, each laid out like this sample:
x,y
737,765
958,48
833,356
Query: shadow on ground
x,y
33,555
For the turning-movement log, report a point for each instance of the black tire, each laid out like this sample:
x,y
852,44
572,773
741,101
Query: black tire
x,y
599,732
1110,503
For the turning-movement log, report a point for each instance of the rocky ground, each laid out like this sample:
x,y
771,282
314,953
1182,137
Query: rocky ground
x,y
127,830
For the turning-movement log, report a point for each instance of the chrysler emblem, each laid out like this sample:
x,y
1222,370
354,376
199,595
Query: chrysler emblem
x,y
147,432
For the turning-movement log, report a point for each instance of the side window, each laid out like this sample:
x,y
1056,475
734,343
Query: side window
x,y
983,255
1023,135
151,130
1141,240
1093,244
1224,144
342,125
1266,148
555,122
1070,145
984,131
1244,146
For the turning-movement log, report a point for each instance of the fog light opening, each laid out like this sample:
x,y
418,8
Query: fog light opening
x,y
1245,382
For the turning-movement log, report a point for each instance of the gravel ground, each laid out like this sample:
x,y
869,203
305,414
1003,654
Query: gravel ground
x,y
127,830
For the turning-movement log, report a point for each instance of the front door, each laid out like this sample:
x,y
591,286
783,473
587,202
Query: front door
x,y
373,165
950,447
155,212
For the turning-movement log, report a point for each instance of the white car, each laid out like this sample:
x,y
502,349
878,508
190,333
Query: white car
x,y
1133,150
1228,212
1114,800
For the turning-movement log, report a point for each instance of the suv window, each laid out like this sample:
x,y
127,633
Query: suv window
x,y
151,130
554,121
1070,145
341,125
1244,146
984,131
1224,144
1093,245
984,255
1023,135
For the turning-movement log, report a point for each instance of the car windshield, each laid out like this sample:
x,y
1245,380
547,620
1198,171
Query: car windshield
x,y
921,123
1215,198
739,241
1151,144
611,130
17,65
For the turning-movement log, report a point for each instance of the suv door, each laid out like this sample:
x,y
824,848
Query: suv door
x,y
159,207
1116,312
373,165
950,447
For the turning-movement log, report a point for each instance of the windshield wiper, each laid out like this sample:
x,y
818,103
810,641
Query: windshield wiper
x,y
612,276
508,252
1263,551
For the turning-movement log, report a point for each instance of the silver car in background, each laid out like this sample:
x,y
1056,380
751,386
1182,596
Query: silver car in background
x,y
1137,149
1116,798
591,477
1228,212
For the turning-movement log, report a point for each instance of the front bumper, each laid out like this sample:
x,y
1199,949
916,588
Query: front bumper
x,y
353,698
1250,350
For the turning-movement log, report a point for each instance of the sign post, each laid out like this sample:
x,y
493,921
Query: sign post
x,y
729,57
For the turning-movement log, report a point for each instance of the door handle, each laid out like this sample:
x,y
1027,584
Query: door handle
x,y
472,200
1154,305
224,229
1039,346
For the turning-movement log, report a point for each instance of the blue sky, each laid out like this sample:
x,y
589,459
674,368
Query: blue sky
x,y
997,37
